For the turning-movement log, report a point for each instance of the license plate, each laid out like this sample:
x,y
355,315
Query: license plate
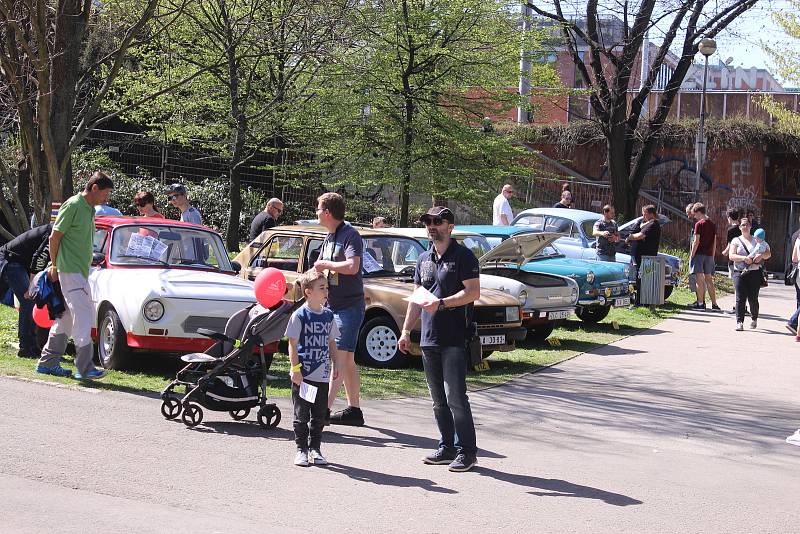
x,y
624,301
558,315
493,340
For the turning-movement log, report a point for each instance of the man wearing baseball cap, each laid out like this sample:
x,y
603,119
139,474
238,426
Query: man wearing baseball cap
x,y
450,271
176,194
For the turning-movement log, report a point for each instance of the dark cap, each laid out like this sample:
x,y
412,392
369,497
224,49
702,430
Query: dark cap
x,y
440,211
176,189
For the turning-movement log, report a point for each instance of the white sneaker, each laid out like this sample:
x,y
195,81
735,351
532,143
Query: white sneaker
x,y
739,327
794,439
301,458
753,324
315,457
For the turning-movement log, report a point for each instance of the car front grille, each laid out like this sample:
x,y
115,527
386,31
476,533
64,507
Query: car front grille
x,y
489,315
193,322
617,289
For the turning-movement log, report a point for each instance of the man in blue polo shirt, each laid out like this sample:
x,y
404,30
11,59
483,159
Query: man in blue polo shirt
x,y
450,271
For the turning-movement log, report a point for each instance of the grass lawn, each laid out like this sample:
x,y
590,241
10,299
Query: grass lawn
x,y
154,372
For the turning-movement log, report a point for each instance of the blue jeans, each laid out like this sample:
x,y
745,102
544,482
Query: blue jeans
x,y
17,278
793,318
348,321
446,374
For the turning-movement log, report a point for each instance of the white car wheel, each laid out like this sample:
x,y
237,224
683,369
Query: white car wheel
x,y
378,343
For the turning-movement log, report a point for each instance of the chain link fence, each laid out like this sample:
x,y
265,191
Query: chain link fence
x,y
139,155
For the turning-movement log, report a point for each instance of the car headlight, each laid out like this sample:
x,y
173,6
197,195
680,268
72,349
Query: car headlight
x,y
512,314
590,277
153,310
522,297
574,294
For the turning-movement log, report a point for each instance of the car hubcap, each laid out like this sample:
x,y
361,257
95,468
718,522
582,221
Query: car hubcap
x,y
381,343
107,340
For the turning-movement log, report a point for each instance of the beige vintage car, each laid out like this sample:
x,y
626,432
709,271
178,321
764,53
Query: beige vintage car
x,y
388,278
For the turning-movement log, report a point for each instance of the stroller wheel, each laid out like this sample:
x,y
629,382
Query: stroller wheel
x,y
240,414
192,415
171,408
269,416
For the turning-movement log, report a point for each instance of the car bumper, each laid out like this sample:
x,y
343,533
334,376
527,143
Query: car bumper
x,y
178,345
539,317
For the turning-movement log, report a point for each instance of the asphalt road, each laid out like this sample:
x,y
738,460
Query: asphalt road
x,y
679,428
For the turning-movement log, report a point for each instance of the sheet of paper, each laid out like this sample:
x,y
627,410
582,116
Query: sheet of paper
x,y
159,248
135,245
308,392
371,265
420,296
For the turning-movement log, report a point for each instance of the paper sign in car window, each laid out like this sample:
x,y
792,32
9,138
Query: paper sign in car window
x,y
371,265
145,247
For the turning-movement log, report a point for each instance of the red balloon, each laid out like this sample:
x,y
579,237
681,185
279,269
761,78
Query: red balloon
x,y
41,316
270,287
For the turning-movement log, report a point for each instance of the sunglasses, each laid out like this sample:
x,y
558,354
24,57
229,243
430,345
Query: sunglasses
x,y
172,197
432,221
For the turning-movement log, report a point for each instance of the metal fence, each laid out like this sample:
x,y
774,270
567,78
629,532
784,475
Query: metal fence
x,y
139,155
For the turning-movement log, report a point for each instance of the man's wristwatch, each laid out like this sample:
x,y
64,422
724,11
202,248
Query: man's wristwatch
x,y
441,305
405,333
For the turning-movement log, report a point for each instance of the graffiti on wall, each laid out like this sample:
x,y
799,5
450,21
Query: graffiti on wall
x,y
742,198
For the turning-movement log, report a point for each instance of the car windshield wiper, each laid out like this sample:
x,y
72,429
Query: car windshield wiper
x,y
162,262
197,262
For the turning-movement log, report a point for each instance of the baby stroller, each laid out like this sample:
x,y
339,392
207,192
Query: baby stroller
x,y
231,376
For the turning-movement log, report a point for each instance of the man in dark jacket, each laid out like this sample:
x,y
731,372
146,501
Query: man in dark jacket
x,y
20,258
266,219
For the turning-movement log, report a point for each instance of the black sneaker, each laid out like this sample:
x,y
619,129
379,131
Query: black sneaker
x,y
463,462
692,305
698,306
440,456
715,307
350,416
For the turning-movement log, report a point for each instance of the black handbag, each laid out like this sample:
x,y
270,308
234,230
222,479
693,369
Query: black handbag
x,y
474,346
790,276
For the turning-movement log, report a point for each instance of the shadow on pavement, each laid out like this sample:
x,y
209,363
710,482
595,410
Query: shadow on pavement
x,y
558,488
386,479
247,429
392,438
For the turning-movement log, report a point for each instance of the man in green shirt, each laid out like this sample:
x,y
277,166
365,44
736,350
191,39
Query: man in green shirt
x,y
71,254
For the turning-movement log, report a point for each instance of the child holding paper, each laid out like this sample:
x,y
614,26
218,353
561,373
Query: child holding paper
x,y
312,336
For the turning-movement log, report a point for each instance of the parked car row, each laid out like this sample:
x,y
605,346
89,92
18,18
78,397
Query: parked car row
x,y
155,282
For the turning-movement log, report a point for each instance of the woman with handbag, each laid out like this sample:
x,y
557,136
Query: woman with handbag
x,y
793,279
748,273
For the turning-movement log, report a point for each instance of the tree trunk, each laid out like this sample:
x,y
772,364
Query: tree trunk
x,y
408,141
624,198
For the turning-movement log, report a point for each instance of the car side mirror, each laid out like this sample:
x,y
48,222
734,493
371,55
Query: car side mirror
x,y
98,258
237,267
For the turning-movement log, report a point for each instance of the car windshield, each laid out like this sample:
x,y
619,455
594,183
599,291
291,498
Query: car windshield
x,y
548,252
478,244
390,255
588,227
142,244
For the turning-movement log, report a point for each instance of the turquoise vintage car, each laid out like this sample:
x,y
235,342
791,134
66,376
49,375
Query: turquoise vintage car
x,y
602,284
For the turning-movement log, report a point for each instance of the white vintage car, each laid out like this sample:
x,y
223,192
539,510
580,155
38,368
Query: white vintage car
x,y
545,298
154,282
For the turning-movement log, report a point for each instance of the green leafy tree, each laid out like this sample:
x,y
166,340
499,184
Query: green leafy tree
x,y
787,60
262,60
604,41
58,61
407,101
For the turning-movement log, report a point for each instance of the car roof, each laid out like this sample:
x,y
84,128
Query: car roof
x,y
315,229
488,229
116,220
572,214
422,233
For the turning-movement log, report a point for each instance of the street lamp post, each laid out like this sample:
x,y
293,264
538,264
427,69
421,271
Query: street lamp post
x,y
706,47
